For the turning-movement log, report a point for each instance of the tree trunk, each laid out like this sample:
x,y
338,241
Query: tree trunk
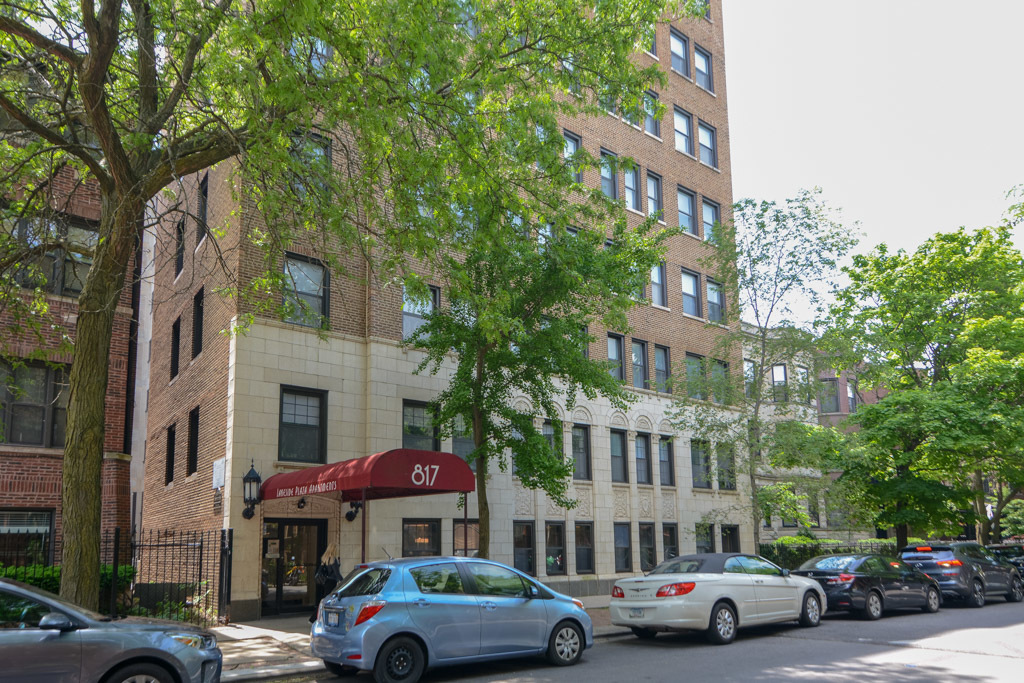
x,y
83,450
983,525
902,533
753,456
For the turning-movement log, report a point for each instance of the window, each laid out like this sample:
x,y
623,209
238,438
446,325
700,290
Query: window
x,y
653,47
312,154
659,295
465,537
652,124
813,511
648,548
749,378
630,179
618,449
572,146
548,430
700,463
421,537
639,364
684,211
414,310
462,441
492,579
522,547
788,523
169,459
202,207
179,247
708,147
702,62
803,388
26,533
175,346
33,405
662,373
851,396
666,461
554,548
691,293
60,271
584,547
705,536
670,540
726,456
438,578
617,370
18,613
643,459
609,183
305,291
695,379
197,323
716,302
192,459
623,548
730,538
418,430
680,48
581,452
654,195
829,401
709,211
302,436
720,389
779,392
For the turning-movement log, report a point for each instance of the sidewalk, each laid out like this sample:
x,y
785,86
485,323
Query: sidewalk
x,y
276,647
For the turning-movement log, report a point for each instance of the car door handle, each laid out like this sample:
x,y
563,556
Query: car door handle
x,y
421,602
489,606
758,580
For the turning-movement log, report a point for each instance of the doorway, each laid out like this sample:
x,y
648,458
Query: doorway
x,y
291,552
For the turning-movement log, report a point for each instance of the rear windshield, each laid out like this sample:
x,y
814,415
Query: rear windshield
x,y
831,562
933,554
364,582
678,566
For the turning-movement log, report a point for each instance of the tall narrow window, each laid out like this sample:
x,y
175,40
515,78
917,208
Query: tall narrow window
x,y
662,370
680,48
708,145
179,247
803,388
572,147
643,459
609,182
418,429
700,462
617,369
414,310
709,211
829,401
749,378
648,548
630,181
33,405
654,195
523,548
666,462
169,460
659,296
695,379
175,347
652,124
705,536
465,537
301,434
702,62
581,452
198,303
618,456
851,396
462,441
623,548
639,364
670,540
726,462
730,538
305,291
584,547
720,388
780,393
684,211
202,208
548,430
554,548
192,462
716,302
691,293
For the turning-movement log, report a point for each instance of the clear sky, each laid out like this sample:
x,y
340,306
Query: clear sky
x,y
908,114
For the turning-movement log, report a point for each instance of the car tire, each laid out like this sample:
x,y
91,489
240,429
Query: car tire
x,y
932,600
644,633
340,670
566,644
810,613
872,606
400,660
977,596
722,626
139,673
1016,592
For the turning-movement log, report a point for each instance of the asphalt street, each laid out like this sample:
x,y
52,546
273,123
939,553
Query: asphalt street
x,y
956,644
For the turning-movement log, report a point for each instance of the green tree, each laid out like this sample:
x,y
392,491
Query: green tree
x,y
423,104
1013,518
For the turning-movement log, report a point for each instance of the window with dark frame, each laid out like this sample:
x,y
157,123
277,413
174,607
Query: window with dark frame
x,y
780,393
301,432
27,532
691,293
313,154
639,353
653,47
414,310
169,456
803,381
708,145
305,291
813,510
609,181
465,537
192,459
685,203
730,538
617,370
705,537
829,400
721,389
548,431
33,404
659,294
654,207
175,347
642,448
462,441
652,124
662,370
623,548
851,396
749,378
666,461
581,452
679,45
684,131
572,147
554,548
648,547
700,463
702,68
584,547
630,182
695,378
725,456
202,208
710,217
421,537
716,302
60,271
198,302
618,456
179,247
670,540
418,429
523,547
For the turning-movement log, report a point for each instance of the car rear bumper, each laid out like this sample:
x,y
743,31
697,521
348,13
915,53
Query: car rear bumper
x,y
667,614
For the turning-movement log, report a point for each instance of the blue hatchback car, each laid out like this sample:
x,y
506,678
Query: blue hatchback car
x,y
399,617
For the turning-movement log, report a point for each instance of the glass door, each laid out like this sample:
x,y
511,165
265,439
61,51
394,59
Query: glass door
x,y
291,553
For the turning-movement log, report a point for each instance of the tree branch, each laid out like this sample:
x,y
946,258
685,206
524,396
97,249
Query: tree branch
x,y
62,52
144,33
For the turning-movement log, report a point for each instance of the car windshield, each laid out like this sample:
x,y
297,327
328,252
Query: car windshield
x,y
830,562
363,581
678,566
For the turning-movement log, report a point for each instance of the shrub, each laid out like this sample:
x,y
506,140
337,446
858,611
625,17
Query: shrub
x,y
47,577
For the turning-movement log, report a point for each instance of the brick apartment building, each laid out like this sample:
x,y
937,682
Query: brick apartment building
x,y
217,403
34,393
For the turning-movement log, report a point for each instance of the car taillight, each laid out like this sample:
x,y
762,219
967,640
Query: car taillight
x,y
369,609
617,592
923,548
841,579
671,589
951,563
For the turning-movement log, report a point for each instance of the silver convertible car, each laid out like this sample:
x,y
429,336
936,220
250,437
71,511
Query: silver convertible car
x,y
400,617
716,593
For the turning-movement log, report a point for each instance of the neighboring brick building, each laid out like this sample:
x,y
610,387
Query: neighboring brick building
x,y
219,405
33,403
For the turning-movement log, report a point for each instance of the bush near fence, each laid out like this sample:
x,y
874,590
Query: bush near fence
x,y
47,577
792,551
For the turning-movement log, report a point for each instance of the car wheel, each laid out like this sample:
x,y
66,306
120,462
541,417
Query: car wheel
x,y
401,660
932,601
565,646
722,627
644,633
977,597
340,670
1016,593
140,673
810,614
872,606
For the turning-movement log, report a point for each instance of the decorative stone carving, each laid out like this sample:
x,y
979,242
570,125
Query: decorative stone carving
x,y
582,415
619,420
524,501
553,508
665,427
668,507
620,504
647,505
643,424
584,502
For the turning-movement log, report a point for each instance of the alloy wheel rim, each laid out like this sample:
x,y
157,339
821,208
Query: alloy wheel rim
x,y
812,610
933,599
400,662
874,605
724,623
567,644
1018,589
141,678
979,592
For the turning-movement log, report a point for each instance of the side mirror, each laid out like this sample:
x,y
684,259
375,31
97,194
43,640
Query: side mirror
x,y
55,621
531,591
785,572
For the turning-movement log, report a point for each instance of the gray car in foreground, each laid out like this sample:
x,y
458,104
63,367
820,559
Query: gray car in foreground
x,y
46,639
400,617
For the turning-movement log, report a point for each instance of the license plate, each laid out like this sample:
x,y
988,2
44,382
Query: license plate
x,y
332,618
636,612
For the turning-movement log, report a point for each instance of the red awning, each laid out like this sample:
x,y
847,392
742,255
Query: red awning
x,y
392,474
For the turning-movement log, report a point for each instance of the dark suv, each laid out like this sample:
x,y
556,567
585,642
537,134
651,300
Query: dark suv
x,y
1011,552
966,570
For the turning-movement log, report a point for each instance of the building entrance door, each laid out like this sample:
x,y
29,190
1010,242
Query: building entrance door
x,y
291,553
